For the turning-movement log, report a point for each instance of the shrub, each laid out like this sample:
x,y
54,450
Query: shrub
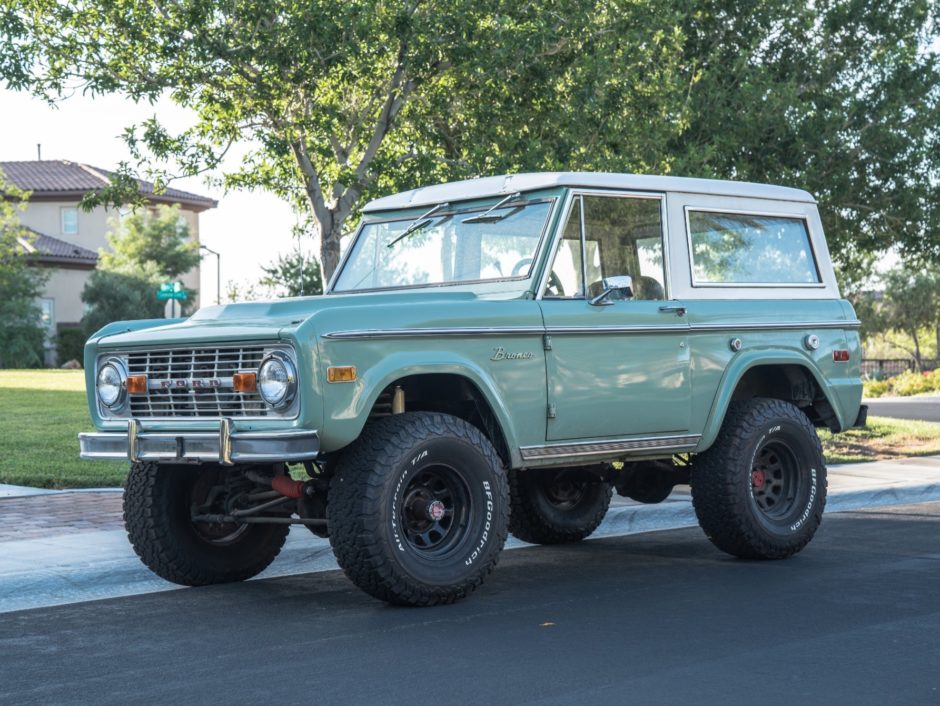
x,y
70,344
877,388
911,383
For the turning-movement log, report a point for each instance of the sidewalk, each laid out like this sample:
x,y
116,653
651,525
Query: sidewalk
x,y
59,547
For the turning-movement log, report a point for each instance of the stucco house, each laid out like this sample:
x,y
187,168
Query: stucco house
x,y
66,239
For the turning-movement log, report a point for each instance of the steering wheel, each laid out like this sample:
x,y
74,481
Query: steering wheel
x,y
553,287
517,268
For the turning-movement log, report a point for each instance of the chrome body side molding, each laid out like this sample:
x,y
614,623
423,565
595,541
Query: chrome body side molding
x,y
437,332
779,326
585,330
612,447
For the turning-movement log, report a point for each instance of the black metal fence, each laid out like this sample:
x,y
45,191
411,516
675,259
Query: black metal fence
x,y
882,368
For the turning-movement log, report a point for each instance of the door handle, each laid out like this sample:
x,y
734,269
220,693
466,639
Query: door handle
x,y
673,309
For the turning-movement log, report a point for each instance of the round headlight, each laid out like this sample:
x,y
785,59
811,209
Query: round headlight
x,y
277,380
112,384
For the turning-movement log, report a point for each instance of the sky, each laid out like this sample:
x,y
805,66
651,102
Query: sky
x,y
249,229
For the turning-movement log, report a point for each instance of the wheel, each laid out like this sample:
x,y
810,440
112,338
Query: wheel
x,y
760,490
419,509
158,505
557,506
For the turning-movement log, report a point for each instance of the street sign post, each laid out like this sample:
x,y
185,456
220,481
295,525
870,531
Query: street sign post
x,y
173,294
171,290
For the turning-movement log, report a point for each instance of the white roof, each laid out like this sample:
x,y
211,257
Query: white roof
x,y
511,183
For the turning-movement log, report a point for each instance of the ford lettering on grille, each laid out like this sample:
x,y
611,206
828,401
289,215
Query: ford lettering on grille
x,y
196,382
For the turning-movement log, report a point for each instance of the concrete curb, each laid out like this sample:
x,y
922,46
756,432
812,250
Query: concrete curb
x,y
101,565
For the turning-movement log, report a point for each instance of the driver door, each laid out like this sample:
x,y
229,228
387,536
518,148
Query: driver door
x,y
619,369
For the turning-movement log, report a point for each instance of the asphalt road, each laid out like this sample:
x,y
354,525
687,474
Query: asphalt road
x,y
924,408
655,618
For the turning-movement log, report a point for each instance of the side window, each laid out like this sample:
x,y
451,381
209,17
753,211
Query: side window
x,y
624,236
735,248
567,276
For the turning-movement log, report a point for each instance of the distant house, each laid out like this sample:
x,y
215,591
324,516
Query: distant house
x,y
66,239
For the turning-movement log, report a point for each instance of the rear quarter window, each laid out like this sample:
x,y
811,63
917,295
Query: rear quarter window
x,y
750,249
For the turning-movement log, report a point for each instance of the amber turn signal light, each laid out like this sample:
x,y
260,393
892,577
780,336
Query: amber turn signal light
x,y
344,373
245,382
137,384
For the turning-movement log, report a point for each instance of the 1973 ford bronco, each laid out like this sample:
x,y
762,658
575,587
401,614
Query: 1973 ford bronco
x,y
495,355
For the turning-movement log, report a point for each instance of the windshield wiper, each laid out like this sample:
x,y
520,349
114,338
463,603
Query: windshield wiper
x,y
490,217
419,223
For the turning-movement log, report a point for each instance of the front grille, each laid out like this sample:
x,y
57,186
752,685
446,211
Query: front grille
x,y
201,364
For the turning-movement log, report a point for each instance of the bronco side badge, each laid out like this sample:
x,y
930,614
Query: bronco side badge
x,y
499,353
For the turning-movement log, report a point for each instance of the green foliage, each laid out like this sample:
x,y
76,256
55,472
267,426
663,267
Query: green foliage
x,y
21,342
154,244
70,344
907,315
341,101
293,275
876,388
906,384
146,250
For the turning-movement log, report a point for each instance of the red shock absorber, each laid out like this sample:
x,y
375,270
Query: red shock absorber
x,y
287,487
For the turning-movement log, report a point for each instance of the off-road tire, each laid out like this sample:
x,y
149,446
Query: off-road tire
x,y
157,518
372,532
538,519
725,490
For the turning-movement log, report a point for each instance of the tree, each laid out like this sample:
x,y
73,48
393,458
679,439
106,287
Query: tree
x,y
911,305
347,100
839,98
147,248
21,344
293,275
343,101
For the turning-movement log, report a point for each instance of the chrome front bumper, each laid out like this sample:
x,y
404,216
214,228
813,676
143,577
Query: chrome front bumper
x,y
223,446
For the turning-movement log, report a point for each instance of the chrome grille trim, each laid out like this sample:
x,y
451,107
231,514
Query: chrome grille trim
x,y
201,379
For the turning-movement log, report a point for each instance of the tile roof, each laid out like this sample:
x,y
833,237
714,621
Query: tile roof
x,y
51,177
52,250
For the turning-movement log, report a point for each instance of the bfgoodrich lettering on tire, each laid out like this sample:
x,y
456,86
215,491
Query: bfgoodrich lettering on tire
x,y
760,490
419,509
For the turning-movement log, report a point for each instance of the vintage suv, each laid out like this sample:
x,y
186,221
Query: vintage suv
x,y
493,355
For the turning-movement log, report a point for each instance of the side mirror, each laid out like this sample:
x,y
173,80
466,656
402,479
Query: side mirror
x,y
622,284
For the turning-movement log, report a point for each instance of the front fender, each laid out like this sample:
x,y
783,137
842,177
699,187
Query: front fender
x,y
739,367
347,405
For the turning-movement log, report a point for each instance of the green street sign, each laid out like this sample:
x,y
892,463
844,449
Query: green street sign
x,y
171,290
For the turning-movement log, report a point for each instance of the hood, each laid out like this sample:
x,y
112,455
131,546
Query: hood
x,y
269,320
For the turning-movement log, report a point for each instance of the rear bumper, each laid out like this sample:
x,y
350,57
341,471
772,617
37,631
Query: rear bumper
x,y
223,446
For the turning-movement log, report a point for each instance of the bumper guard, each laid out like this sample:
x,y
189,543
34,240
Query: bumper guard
x,y
223,446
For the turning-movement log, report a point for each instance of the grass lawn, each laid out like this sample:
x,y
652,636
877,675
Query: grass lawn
x,y
41,414
882,439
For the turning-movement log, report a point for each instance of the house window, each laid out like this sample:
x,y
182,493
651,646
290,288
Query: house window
x,y
47,313
70,221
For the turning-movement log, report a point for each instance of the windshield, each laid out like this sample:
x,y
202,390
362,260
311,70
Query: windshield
x,y
449,247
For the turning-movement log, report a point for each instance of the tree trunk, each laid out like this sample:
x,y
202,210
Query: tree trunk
x,y
918,360
937,356
330,249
